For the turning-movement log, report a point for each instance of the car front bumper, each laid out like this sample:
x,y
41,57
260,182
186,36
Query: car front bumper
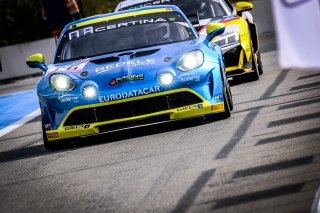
x,y
130,113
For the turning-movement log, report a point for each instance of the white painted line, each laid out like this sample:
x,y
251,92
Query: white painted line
x,y
20,122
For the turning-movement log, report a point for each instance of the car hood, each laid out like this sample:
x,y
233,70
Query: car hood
x,y
131,62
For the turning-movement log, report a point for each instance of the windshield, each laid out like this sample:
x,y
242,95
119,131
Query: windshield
x,y
204,8
123,34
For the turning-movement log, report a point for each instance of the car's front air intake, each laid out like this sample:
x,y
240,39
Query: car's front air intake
x,y
132,108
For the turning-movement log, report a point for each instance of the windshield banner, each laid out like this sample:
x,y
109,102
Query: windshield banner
x,y
112,25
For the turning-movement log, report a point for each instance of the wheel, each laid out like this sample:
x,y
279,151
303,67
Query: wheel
x,y
255,71
229,97
227,108
224,115
260,65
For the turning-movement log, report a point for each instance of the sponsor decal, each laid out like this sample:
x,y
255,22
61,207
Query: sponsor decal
x,y
218,97
217,107
94,29
191,107
127,78
133,63
75,67
129,94
190,78
52,135
85,126
48,126
68,98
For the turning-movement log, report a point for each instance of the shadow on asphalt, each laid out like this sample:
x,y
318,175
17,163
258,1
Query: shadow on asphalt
x,y
39,150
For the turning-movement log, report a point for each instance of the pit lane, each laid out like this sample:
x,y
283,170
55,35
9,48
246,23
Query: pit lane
x,y
265,158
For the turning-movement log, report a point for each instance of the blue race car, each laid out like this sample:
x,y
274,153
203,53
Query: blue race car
x,y
129,69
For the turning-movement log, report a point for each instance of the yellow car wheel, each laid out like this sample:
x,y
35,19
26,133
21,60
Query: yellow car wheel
x,y
255,70
260,65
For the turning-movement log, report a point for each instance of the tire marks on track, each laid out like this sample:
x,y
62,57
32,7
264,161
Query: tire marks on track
x,y
187,199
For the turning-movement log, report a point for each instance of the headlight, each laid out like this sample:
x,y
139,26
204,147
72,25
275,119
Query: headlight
x,y
89,91
61,82
191,60
166,78
227,40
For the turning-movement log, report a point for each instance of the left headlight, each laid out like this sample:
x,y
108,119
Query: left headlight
x,y
62,83
191,60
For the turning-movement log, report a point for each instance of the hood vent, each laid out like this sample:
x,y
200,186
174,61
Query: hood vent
x,y
144,53
105,60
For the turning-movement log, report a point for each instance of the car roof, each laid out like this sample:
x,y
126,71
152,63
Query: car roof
x,y
127,3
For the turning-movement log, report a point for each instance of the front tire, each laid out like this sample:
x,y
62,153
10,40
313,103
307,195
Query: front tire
x,y
223,115
255,70
230,100
260,65
227,105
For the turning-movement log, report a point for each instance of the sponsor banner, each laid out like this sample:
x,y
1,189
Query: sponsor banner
x,y
68,98
74,67
218,97
133,63
129,94
52,135
85,126
191,107
190,78
127,78
298,30
100,28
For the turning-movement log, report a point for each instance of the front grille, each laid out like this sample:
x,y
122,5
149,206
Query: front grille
x,y
128,124
231,58
132,108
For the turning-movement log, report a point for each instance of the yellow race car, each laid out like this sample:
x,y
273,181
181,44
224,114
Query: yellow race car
x,y
239,42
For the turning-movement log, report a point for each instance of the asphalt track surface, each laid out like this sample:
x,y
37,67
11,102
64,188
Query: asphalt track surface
x,y
265,158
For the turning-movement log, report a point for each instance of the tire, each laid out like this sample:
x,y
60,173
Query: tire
x,y
260,65
255,70
224,115
227,109
230,97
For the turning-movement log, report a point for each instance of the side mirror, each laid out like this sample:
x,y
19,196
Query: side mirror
x,y
214,29
37,61
243,6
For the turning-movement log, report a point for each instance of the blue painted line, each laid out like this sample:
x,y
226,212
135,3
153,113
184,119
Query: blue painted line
x,y
15,106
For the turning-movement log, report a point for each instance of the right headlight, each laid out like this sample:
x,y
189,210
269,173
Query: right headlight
x,y
191,60
62,82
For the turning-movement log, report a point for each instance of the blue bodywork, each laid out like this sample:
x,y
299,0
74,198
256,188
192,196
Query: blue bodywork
x,y
208,80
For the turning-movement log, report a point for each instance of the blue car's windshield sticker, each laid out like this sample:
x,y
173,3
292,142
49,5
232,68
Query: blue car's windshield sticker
x,y
123,34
